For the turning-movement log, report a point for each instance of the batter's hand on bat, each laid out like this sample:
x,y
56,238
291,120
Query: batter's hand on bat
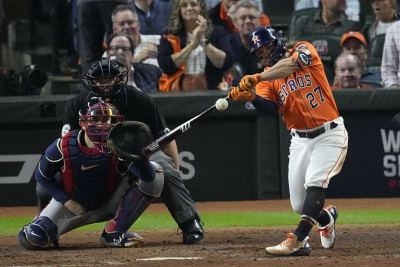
x,y
75,207
237,94
248,82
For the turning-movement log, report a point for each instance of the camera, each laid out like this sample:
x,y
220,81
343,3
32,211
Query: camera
x,y
27,82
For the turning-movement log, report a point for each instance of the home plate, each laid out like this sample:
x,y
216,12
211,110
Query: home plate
x,y
169,258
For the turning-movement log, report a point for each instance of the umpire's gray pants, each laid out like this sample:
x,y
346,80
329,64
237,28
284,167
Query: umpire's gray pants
x,y
175,195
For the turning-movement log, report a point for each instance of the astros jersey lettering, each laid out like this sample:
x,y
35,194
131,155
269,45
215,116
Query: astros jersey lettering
x,y
304,97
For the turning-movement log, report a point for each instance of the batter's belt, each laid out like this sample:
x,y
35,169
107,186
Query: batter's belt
x,y
315,133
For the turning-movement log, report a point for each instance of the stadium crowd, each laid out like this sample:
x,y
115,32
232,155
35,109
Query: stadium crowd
x,y
186,45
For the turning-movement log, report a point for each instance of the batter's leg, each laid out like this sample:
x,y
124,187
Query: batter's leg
x,y
299,156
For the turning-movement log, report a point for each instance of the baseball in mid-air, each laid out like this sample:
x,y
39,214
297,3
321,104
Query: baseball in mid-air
x,y
221,104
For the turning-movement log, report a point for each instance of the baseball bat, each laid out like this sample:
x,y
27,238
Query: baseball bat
x,y
177,131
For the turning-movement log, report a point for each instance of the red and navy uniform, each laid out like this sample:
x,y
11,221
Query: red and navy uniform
x,y
89,177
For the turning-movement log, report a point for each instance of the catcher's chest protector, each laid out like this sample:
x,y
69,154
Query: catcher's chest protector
x,y
89,176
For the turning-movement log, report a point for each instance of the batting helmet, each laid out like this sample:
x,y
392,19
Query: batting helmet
x,y
99,119
262,36
105,78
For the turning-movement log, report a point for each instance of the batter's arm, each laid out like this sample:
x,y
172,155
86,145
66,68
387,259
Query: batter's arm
x,y
264,106
172,150
282,69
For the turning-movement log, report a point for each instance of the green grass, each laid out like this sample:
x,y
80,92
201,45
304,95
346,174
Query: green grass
x,y
11,225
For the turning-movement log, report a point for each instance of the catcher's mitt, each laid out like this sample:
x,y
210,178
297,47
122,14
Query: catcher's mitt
x,y
127,139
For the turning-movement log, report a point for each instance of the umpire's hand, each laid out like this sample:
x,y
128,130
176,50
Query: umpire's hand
x,y
75,207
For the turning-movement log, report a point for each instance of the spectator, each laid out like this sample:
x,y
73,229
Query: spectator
x,y
355,43
195,54
391,57
246,17
352,7
213,3
328,19
385,15
153,15
125,19
140,75
94,20
348,72
219,16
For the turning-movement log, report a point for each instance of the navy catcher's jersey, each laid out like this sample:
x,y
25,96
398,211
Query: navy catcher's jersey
x,y
89,177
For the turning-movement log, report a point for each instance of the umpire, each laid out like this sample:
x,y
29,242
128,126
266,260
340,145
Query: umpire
x,y
107,79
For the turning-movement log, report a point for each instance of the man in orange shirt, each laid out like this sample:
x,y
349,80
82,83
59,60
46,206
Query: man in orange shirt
x,y
294,83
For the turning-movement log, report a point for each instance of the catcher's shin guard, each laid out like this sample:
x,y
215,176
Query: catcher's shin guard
x,y
132,205
39,234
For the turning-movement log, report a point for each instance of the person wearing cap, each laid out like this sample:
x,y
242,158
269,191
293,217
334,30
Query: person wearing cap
x,y
356,44
348,72
391,58
385,15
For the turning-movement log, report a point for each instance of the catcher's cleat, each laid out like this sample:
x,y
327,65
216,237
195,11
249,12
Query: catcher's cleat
x,y
291,247
192,232
121,240
328,232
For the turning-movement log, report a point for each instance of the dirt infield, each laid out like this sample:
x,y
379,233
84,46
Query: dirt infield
x,y
362,245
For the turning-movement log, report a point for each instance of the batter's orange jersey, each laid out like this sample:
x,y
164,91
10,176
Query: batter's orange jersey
x,y
304,97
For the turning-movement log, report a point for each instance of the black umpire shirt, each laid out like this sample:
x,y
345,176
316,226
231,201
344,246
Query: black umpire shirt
x,y
132,103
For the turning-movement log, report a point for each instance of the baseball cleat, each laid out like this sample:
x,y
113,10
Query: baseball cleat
x,y
121,240
328,232
291,247
193,232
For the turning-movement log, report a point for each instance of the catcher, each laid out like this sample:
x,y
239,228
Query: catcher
x,y
294,83
97,186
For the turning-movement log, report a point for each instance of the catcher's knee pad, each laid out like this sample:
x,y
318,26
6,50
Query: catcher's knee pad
x,y
153,188
314,202
38,234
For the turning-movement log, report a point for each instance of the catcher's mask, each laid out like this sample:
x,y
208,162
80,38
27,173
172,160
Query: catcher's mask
x,y
99,119
263,36
105,78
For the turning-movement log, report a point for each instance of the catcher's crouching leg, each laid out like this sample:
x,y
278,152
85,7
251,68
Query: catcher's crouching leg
x,y
133,204
39,234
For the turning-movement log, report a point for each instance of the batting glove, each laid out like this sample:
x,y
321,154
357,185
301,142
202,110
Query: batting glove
x,y
248,82
237,94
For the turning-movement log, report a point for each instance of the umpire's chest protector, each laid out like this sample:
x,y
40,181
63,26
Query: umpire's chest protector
x,y
89,176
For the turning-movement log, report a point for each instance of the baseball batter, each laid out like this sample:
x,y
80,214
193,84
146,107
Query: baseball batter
x,y
294,84
96,185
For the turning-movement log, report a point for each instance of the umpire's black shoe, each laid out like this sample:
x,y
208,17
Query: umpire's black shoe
x,y
192,232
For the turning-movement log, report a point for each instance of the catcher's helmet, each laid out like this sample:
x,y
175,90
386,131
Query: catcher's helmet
x,y
99,119
105,78
262,36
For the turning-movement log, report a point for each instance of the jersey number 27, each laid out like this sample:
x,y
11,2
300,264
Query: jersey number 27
x,y
311,97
